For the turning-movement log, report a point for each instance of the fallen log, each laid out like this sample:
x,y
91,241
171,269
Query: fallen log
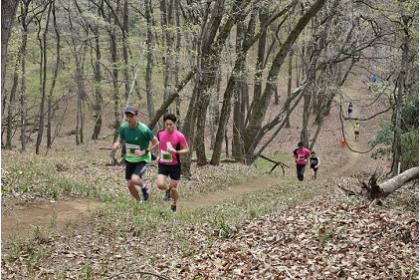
x,y
372,190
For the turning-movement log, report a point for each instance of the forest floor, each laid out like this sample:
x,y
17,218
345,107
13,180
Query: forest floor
x,y
67,215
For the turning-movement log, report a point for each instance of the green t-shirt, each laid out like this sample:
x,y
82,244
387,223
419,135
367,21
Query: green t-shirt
x,y
137,138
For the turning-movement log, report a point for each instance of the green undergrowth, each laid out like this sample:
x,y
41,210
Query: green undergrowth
x,y
30,176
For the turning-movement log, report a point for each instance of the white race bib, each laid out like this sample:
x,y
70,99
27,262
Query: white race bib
x,y
131,148
165,156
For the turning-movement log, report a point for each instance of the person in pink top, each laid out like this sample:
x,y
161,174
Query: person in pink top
x,y
172,144
301,155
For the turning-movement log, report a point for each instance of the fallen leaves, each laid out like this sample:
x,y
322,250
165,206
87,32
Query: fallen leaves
x,y
321,239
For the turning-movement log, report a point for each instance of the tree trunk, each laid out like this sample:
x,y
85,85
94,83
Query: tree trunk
x,y
259,67
169,41
289,83
43,80
50,113
81,95
22,97
177,55
115,85
238,113
11,106
8,14
214,107
98,94
396,146
149,58
124,31
226,144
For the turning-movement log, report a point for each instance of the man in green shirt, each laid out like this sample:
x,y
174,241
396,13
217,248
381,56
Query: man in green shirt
x,y
139,140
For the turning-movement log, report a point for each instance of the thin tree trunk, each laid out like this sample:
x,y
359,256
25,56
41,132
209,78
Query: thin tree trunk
x,y
81,95
215,110
226,144
289,83
149,58
98,94
177,56
50,95
168,75
115,85
396,146
43,81
11,106
259,67
124,31
22,97
238,114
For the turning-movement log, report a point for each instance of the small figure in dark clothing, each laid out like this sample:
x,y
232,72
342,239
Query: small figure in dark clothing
x,y
350,109
301,155
315,162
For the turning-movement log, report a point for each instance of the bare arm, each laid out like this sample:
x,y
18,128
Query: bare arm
x,y
153,144
117,144
183,151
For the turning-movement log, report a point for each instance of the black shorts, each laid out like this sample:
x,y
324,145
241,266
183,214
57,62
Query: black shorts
x,y
356,132
173,171
314,168
138,168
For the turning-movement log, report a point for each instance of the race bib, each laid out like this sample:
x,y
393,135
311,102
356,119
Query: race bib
x,y
165,156
131,149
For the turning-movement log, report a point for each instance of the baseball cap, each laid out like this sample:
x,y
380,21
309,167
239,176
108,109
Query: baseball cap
x,y
131,110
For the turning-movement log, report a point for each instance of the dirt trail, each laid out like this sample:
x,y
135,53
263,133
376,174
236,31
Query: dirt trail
x,y
60,213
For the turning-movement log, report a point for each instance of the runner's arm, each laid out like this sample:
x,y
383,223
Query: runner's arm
x,y
184,150
117,144
319,162
153,143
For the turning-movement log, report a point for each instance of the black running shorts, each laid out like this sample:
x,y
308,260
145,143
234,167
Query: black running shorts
x,y
138,168
173,171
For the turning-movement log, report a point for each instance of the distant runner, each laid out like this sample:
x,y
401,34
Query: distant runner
x,y
350,110
172,144
139,140
356,128
301,155
315,162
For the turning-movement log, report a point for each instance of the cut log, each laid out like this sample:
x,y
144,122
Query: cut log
x,y
396,182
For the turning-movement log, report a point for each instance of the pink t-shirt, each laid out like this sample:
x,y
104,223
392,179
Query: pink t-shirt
x,y
302,154
177,140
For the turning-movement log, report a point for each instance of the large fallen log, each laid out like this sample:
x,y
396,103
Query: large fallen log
x,y
372,190
396,182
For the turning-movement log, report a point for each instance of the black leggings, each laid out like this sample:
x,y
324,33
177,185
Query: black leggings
x,y
300,170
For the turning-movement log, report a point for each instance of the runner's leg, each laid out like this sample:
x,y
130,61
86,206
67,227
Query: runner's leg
x,y
161,182
133,185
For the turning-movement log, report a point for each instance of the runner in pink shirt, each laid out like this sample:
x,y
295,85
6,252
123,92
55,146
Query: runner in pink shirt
x,y
172,144
301,155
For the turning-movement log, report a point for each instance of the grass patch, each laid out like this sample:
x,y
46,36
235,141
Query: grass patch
x,y
32,250
36,176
